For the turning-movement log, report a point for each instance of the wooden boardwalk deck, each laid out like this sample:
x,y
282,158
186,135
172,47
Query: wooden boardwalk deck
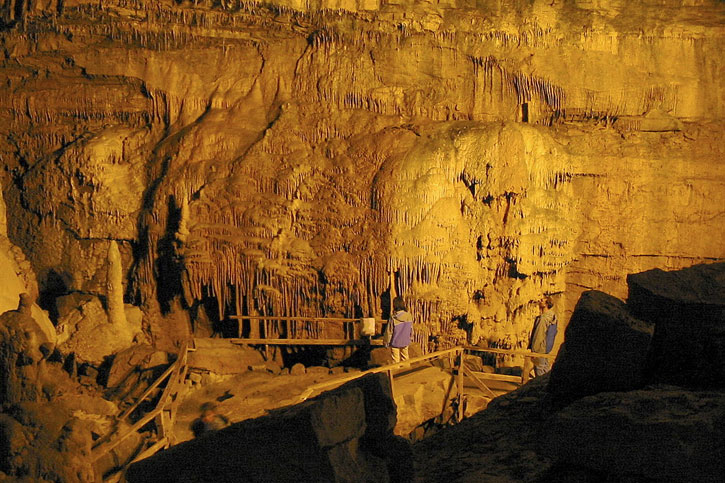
x,y
307,331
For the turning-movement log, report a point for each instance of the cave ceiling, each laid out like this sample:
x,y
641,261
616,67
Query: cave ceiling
x,y
286,157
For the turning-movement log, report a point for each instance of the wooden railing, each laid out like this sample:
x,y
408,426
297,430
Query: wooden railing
x,y
293,327
164,413
526,370
459,372
455,354
302,331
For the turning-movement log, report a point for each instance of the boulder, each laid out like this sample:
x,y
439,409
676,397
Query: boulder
x,y
318,370
298,369
663,434
21,356
420,396
380,356
132,360
59,452
473,362
323,439
221,356
65,304
380,408
474,404
604,349
17,279
688,309
85,330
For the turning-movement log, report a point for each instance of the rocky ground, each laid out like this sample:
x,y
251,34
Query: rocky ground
x,y
660,433
246,396
500,443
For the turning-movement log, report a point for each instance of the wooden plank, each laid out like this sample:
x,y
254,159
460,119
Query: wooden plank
x,y
148,391
497,377
304,319
509,352
392,391
151,450
481,385
179,366
528,363
459,384
335,342
99,451
162,423
323,386
448,393
174,371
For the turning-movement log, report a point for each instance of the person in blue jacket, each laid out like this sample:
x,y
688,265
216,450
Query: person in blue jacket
x,y
399,330
543,335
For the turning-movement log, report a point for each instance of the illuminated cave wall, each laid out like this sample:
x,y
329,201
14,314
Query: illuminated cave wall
x,y
283,157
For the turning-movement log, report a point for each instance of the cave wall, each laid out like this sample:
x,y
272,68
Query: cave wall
x,y
285,157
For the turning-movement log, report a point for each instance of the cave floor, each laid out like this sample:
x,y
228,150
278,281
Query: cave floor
x,y
244,396
494,445
497,445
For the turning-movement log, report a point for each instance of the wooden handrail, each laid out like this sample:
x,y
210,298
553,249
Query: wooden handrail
x,y
173,372
496,377
312,319
99,451
303,341
389,367
289,319
509,352
148,391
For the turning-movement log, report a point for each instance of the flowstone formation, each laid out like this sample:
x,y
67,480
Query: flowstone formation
x,y
285,158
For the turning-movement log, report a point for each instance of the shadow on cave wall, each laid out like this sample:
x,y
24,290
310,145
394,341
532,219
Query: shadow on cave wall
x,y
168,265
55,286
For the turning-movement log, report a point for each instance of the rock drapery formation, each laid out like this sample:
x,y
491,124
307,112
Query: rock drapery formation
x,y
284,157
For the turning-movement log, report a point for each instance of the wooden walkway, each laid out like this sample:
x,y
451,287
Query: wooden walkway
x,y
307,331
163,415
295,328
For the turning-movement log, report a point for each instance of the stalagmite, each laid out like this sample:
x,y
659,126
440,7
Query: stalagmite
x,y
114,286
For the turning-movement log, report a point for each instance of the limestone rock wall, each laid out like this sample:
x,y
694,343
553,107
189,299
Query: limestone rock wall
x,y
285,157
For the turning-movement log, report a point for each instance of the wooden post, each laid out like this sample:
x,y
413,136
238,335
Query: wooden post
x,y
238,308
481,385
528,363
459,384
390,378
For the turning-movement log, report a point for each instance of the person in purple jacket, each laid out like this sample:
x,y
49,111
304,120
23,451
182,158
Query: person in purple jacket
x,y
543,335
398,332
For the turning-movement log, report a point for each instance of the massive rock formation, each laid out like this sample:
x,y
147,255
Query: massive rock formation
x,y
283,157
606,349
661,434
603,413
688,307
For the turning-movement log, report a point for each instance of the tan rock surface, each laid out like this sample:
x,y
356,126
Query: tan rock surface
x,y
283,159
